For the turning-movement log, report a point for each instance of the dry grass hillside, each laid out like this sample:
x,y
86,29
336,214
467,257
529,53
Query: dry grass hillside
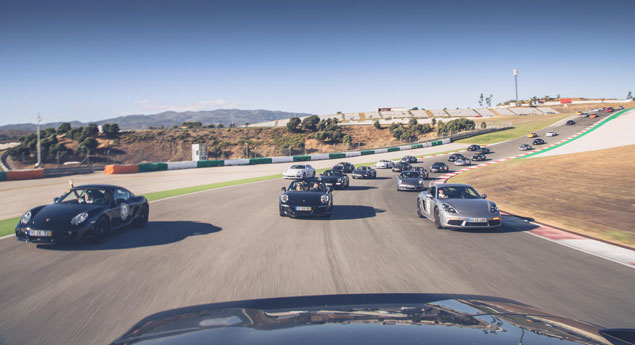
x,y
589,192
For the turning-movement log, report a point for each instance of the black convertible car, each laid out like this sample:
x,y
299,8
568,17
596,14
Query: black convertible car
x,y
409,159
368,319
479,157
474,147
401,166
310,197
88,212
335,178
538,142
455,156
345,166
364,172
483,150
438,167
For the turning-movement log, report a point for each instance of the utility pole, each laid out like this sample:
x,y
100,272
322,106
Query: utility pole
x,y
39,154
516,84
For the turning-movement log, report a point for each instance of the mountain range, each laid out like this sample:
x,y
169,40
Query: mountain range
x,y
169,119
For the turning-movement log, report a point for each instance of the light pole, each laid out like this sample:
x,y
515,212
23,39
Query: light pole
x,y
39,155
516,84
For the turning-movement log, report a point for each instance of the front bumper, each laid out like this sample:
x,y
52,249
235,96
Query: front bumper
x,y
361,176
457,222
293,177
438,170
320,210
410,187
70,234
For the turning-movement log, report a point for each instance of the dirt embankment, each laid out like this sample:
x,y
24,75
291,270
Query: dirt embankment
x,y
588,192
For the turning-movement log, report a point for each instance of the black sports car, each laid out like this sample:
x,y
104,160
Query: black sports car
x,y
346,166
410,180
538,142
368,319
422,171
409,159
473,147
364,172
483,150
310,197
455,156
88,212
525,147
335,178
479,157
438,167
570,123
401,166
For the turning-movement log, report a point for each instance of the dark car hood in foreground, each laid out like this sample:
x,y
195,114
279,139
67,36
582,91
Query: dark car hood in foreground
x,y
330,179
304,198
362,319
54,216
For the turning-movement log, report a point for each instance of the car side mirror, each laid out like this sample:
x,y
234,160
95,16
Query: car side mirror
x,y
284,189
484,196
55,200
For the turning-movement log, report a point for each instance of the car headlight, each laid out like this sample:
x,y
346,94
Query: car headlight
x,y
80,218
26,217
339,179
324,199
493,208
400,181
284,198
420,181
449,208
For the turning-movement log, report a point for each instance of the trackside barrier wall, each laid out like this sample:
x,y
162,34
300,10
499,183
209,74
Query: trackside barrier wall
x,y
237,162
209,164
13,175
320,156
148,167
182,165
3,176
121,169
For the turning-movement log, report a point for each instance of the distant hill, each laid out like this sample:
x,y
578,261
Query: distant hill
x,y
171,118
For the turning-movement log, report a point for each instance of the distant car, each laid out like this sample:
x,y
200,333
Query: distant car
x,y
532,135
422,172
310,197
346,166
460,206
610,110
579,113
570,123
299,171
439,167
364,172
621,107
525,147
594,116
479,157
410,180
473,147
335,178
401,166
585,115
462,162
409,159
483,150
384,164
454,157
538,141
88,212
551,134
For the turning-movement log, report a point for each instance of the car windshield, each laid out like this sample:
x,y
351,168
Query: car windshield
x,y
298,166
89,196
410,174
307,186
438,165
459,192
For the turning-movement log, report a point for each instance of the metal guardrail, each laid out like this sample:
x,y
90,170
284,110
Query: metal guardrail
x,y
57,172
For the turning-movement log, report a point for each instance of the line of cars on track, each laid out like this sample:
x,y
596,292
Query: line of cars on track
x,y
456,206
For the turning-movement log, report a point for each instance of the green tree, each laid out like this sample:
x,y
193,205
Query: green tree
x,y
347,141
412,122
220,125
480,100
629,95
110,129
434,122
414,108
89,145
377,124
64,127
292,125
310,123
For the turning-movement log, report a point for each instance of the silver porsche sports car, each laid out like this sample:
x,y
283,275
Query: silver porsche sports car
x,y
458,206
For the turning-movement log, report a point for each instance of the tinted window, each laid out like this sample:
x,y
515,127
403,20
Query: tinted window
x,y
121,195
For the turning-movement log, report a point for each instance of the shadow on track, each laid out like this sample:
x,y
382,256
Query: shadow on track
x,y
154,234
359,188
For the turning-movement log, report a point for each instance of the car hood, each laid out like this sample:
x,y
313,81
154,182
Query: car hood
x,y
54,216
331,178
410,180
293,171
304,198
470,207
363,319
363,172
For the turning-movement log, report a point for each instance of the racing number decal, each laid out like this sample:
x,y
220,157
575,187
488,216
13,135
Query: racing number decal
x,y
125,210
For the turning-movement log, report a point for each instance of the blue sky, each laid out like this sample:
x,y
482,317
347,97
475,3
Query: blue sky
x,y
90,60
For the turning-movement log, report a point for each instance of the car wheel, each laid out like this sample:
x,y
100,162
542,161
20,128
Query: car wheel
x,y
348,183
142,217
102,230
303,176
437,219
419,213
281,212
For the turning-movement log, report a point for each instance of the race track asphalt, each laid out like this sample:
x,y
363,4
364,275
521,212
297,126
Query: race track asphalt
x,y
229,244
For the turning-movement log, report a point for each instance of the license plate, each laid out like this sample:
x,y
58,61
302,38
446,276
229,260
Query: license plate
x,y
303,208
477,220
40,233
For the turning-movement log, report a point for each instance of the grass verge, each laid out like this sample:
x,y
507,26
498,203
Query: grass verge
x,y
523,125
574,191
7,226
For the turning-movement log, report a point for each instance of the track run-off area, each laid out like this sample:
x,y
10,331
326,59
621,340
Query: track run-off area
x,y
231,244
